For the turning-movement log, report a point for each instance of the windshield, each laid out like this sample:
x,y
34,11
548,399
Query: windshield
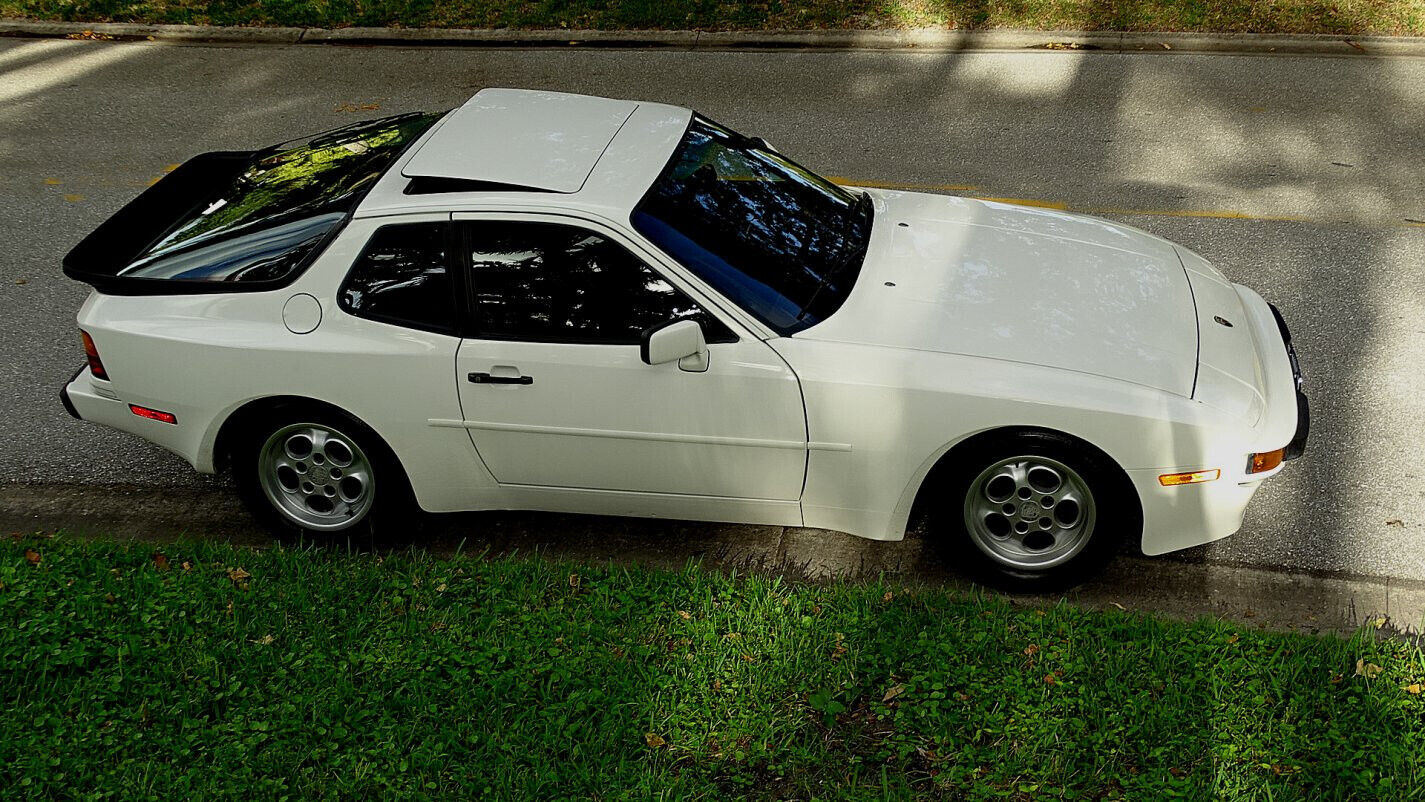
x,y
775,238
266,223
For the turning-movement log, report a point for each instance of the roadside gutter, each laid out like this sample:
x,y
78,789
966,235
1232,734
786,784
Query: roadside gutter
x,y
922,39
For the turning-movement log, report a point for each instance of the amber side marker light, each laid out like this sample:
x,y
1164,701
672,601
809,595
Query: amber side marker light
x,y
1265,461
1189,478
153,414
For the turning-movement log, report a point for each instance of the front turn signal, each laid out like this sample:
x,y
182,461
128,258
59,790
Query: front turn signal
x,y
1189,478
1265,461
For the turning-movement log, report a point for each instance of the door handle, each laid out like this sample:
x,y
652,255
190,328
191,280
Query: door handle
x,y
485,378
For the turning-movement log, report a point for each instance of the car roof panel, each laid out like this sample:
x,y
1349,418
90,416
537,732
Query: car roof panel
x,y
541,140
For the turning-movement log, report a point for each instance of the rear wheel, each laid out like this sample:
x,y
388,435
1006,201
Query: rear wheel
x,y
321,472
1035,511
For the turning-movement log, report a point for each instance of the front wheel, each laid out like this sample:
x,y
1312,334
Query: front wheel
x,y
1036,511
319,472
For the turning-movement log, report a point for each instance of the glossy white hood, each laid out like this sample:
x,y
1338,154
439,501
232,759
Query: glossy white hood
x,y
964,276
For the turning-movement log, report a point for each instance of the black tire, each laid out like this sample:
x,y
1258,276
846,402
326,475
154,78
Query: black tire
x,y
391,507
968,493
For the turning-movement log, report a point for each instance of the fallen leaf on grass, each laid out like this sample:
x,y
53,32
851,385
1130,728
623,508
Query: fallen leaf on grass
x,y
440,588
889,595
1378,621
159,561
185,565
892,692
1031,650
684,614
574,581
238,575
1413,689
1367,670
265,640
1233,638
1049,679
32,557
654,740
1336,678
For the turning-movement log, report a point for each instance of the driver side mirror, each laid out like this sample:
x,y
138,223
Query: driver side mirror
x,y
678,340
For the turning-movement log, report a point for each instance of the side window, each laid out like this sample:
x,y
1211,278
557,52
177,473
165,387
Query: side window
x,y
402,277
557,283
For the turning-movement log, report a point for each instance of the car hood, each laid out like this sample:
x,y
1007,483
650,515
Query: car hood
x,y
959,275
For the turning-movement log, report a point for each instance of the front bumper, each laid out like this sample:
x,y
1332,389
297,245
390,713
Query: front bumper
x,y
1183,516
1297,446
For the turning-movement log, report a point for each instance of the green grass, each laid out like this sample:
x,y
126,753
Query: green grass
x,y
221,672
1405,17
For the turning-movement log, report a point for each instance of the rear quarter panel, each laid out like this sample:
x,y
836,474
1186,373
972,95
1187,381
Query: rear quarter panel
x,y
202,357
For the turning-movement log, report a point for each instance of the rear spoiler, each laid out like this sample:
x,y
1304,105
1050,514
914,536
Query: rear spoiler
x,y
99,258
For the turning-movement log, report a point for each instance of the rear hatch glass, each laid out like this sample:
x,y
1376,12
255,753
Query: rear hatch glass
x,y
240,220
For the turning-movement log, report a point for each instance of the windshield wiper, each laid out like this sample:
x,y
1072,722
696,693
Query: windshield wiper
x,y
860,209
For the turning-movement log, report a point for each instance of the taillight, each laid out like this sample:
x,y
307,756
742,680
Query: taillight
x,y
96,366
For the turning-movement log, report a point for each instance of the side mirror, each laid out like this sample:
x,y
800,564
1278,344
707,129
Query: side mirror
x,y
678,340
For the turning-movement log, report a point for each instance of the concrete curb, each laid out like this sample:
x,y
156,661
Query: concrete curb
x,y
1252,597
928,40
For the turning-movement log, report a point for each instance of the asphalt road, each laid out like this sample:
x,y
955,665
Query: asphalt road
x,y
1300,176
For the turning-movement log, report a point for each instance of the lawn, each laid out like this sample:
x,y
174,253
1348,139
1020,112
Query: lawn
x,y
203,671
1403,17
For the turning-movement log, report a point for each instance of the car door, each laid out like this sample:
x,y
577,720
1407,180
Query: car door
x,y
554,392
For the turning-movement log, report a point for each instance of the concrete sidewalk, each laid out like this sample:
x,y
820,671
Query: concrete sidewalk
x,y
921,39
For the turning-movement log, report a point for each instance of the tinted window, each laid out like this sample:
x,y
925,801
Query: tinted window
x,y
548,282
267,254
402,277
281,205
773,237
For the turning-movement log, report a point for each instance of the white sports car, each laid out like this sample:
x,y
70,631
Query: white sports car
x,y
558,302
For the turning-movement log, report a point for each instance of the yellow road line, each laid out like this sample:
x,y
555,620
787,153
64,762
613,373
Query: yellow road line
x,y
910,187
1218,214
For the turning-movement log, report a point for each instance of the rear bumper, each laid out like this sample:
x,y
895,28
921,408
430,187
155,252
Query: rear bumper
x,y
64,394
90,399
